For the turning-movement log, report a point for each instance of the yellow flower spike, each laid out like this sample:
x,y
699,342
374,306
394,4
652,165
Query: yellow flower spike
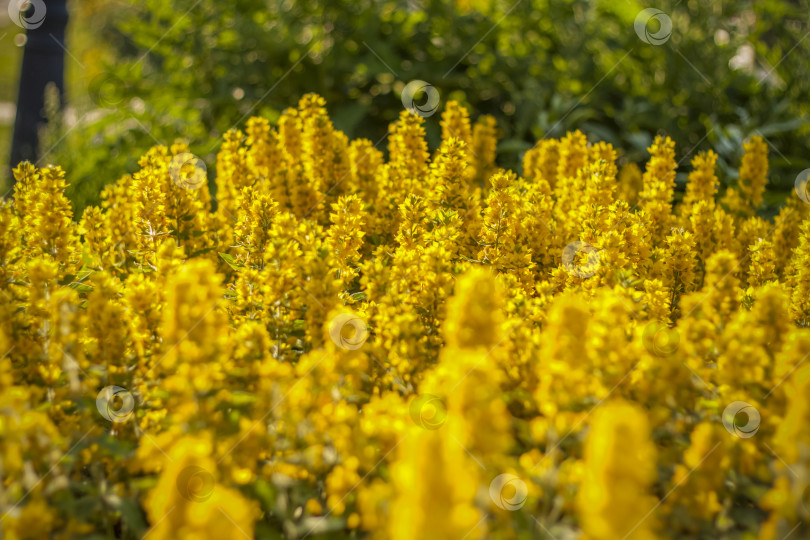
x,y
754,171
701,477
787,234
435,486
573,152
448,173
189,501
474,319
540,163
501,236
484,147
265,158
603,151
407,147
659,186
799,277
614,500
345,236
289,129
763,266
702,182
324,155
404,344
365,161
44,213
630,182
456,123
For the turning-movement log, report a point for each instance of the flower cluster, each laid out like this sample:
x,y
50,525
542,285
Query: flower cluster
x,y
343,342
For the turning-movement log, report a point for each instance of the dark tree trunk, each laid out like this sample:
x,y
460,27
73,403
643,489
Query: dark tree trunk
x,y
43,63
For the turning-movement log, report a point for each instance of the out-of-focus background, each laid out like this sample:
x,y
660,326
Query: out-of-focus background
x,y
144,72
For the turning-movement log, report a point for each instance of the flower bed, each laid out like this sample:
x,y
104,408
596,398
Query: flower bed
x,y
423,346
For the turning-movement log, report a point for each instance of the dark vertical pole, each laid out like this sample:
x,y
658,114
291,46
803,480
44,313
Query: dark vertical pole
x,y
43,62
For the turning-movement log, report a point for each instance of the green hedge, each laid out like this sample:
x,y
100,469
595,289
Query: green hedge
x,y
191,70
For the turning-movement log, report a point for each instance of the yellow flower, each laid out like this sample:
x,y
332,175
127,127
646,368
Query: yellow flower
x,y
659,186
456,123
484,146
435,485
614,500
702,182
350,340
189,502
754,171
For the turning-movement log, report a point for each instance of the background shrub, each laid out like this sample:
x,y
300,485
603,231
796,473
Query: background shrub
x,y
190,70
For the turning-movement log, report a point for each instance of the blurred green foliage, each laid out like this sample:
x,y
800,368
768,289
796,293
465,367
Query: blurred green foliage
x,y
192,69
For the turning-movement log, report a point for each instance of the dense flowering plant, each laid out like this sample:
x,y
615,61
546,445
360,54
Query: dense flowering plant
x,y
417,345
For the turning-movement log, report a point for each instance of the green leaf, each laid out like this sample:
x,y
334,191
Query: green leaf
x,y
513,145
359,296
81,287
240,399
132,516
347,118
781,127
231,261
266,493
